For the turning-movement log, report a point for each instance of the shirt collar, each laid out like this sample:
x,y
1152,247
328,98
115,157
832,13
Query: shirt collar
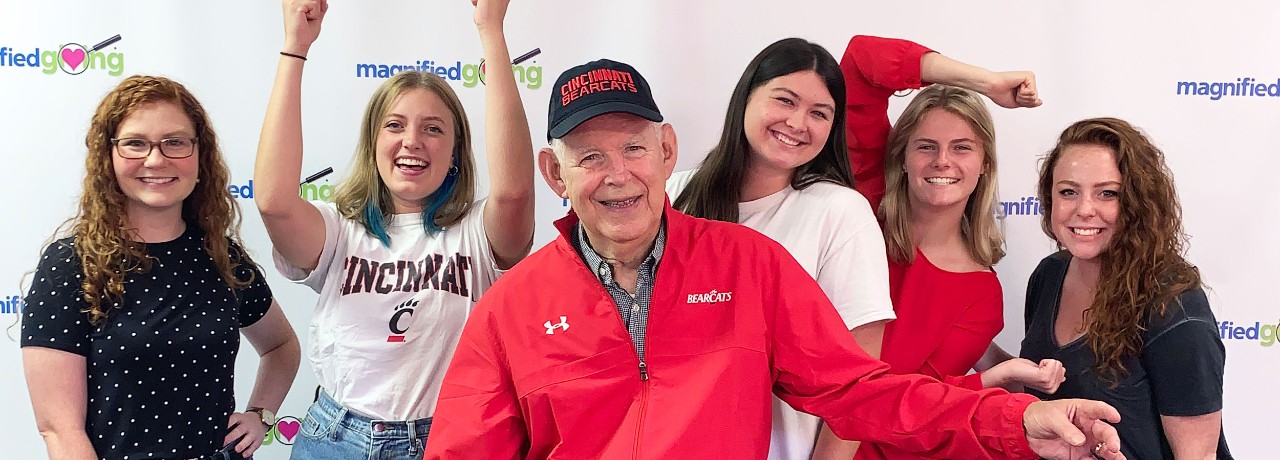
x,y
601,268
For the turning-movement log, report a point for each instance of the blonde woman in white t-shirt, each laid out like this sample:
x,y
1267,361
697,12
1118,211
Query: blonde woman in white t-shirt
x,y
403,253
781,168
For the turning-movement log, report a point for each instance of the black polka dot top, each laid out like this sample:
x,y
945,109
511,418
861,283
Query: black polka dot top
x,y
160,367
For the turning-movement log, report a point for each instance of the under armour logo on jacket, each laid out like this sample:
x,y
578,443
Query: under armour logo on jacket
x,y
563,325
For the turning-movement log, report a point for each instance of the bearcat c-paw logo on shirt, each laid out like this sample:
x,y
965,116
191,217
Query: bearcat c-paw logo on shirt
x,y
402,310
712,297
432,272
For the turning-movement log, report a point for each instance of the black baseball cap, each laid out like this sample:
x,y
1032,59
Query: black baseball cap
x,y
596,88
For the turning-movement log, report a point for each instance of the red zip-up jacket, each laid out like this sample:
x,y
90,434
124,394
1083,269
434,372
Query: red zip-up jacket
x,y
545,368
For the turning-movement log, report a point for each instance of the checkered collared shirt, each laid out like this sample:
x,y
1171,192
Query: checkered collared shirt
x,y
633,308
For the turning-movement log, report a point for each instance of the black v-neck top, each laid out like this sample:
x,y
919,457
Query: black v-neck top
x,y
1178,372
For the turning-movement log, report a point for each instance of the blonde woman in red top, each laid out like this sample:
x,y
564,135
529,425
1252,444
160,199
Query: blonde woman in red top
x,y
932,181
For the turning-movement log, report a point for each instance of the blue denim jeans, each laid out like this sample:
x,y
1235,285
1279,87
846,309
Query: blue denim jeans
x,y
331,431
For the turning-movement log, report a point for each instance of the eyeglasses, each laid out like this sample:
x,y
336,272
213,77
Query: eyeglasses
x,y
173,147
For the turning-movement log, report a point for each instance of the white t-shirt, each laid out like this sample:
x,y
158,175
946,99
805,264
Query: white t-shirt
x,y
388,319
832,232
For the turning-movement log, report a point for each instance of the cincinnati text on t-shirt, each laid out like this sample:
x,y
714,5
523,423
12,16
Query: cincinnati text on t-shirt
x,y
596,81
434,271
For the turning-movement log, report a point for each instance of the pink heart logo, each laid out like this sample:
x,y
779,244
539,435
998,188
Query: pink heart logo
x,y
288,429
73,57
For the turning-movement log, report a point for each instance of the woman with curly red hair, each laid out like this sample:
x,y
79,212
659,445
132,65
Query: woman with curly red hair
x,y
133,320
1120,306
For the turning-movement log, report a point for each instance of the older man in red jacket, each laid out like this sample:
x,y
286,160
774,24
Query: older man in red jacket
x,y
645,333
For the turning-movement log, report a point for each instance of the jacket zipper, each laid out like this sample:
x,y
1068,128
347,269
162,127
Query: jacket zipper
x,y
644,403
644,393
643,368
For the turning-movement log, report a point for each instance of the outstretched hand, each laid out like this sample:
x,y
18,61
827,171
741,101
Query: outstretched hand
x,y
1013,89
1072,429
302,20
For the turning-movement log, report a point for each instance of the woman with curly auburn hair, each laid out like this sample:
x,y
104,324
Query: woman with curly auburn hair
x,y
1120,306
134,317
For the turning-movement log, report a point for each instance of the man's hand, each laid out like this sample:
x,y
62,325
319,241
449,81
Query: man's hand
x,y
1072,429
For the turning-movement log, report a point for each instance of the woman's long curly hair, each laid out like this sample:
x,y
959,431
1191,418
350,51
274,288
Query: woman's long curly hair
x,y
1143,269
104,238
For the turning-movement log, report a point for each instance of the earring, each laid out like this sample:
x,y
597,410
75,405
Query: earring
x,y
453,170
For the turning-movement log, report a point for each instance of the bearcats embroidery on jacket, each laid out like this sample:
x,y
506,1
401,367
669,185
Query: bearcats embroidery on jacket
x,y
710,297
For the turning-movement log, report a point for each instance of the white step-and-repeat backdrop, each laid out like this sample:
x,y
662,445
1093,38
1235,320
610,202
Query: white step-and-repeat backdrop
x,y
1172,68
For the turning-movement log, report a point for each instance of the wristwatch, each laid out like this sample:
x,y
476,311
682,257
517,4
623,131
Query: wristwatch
x,y
268,417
